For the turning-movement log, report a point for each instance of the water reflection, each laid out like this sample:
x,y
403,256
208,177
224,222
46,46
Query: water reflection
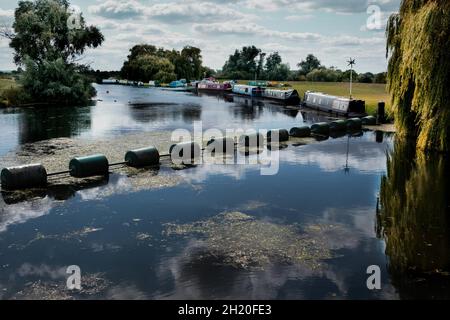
x,y
414,221
37,124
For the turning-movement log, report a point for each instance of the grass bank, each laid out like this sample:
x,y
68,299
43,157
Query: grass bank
x,y
7,87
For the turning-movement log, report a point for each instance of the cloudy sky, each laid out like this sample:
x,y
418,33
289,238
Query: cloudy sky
x,y
331,29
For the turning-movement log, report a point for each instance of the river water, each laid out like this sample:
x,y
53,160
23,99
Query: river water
x,y
218,231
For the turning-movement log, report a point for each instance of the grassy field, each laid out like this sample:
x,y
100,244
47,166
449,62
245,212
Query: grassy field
x,y
370,92
5,83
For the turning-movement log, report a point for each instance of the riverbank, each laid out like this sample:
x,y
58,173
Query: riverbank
x,y
6,86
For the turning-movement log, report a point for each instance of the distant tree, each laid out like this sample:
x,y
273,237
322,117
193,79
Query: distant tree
x,y
367,77
43,42
273,61
145,61
346,75
325,75
275,69
380,77
309,64
243,64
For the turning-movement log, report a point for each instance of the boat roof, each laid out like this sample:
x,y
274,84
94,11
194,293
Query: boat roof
x,y
328,95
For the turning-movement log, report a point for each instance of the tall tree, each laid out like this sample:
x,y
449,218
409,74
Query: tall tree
x,y
48,45
309,64
419,71
243,63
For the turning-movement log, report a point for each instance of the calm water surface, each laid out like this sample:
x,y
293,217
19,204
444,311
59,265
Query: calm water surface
x,y
339,199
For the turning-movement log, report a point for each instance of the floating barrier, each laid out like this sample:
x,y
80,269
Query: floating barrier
x,y
283,135
84,167
338,125
369,121
300,132
185,151
27,176
321,128
144,157
354,124
35,175
251,140
338,134
221,145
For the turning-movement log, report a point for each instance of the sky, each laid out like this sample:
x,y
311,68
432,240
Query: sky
x,y
333,30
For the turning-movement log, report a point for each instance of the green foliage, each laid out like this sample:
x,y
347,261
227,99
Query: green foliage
x,y
146,62
48,47
419,72
309,64
41,32
366,77
324,75
244,64
56,82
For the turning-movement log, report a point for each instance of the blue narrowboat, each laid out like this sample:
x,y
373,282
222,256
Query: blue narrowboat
x,y
246,90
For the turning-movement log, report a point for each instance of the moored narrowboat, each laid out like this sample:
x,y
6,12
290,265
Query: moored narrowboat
x,y
290,97
246,90
213,86
334,104
178,84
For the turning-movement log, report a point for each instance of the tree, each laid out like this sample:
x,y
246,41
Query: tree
x,y
308,65
243,65
146,61
380,77
367,77
273,61
419,72
45,43
324,75
275,69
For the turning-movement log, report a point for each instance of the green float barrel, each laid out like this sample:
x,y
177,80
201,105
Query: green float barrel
x,y
321,128
185,151
369,121
22,177
144,157
277,135
300,132
84,167
338,125
354,124
253,140
221,145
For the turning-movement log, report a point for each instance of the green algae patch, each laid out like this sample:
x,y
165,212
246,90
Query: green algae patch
x,y
93,285
245,242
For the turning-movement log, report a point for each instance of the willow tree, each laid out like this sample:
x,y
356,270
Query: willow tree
x,y
418,42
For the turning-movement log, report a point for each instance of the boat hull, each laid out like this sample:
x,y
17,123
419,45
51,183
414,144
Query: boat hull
x,y
214,87
288,97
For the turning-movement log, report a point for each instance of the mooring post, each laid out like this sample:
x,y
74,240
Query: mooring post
x,y
381,112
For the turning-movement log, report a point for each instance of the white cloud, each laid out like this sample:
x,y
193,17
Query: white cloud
x,y
252,29
171,12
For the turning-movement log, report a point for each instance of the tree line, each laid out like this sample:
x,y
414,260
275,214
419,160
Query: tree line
x,y
251,62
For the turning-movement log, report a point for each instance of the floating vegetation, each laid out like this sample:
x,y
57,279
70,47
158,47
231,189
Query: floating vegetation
x,y
93,285
244,242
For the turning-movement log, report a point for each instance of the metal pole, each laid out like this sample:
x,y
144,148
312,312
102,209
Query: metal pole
x,y
351,81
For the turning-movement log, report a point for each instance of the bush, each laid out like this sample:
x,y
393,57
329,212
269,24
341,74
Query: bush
x,y
56,82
